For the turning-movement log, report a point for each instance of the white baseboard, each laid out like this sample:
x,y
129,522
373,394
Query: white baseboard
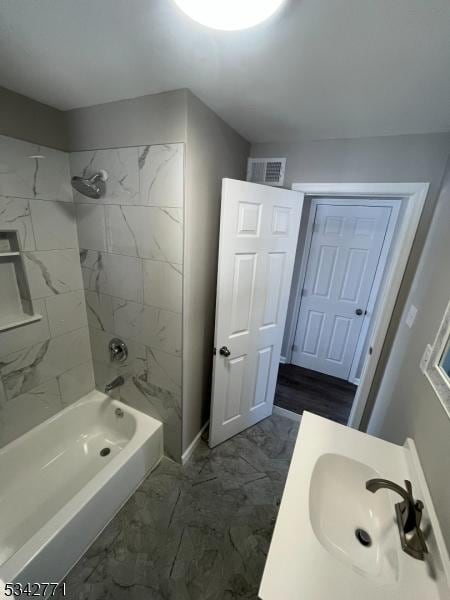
x,y
282,412
283,360
192,446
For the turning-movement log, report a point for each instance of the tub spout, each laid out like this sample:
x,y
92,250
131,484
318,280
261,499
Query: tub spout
x,y
118,381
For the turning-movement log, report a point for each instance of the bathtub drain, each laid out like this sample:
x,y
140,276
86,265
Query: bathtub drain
x,y
105,451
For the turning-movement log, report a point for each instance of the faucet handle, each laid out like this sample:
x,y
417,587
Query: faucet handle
x,y
411,535
418,512
408,486
409,515
413,542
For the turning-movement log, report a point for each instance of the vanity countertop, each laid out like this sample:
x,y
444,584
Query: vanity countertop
x,y
314,553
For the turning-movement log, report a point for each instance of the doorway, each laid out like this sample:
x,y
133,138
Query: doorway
x,y
347,248
300,390
259,230
344,258
405,202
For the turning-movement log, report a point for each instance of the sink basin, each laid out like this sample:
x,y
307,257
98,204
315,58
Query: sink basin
x,y
314,553
340,505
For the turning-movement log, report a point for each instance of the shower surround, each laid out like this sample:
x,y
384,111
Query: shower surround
x,y
131,252
148,250
45,365
129,283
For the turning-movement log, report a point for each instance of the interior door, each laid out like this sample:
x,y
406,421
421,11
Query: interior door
x,y
258,238
343,258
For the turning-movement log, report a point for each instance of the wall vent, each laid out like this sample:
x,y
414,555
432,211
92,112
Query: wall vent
x,y
268,171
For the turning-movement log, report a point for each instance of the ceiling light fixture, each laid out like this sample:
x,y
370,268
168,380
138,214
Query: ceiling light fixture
x,y
229,15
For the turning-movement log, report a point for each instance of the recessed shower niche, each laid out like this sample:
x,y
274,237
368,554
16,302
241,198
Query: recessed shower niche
x,y
16,307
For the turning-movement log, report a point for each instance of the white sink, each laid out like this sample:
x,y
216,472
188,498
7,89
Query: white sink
x,y
315,554
340,505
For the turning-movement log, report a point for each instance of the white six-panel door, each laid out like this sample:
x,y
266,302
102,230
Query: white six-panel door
x,y
258,237
342,262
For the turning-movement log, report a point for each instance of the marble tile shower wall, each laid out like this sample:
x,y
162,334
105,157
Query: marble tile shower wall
x,y
131,250
46,365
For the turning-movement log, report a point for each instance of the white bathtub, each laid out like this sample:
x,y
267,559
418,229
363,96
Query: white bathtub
x,y
57,492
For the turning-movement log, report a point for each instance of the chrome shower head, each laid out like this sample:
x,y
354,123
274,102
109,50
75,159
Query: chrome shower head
x,y
92,187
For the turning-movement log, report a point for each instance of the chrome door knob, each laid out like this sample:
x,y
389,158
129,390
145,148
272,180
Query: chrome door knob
x,y
224,351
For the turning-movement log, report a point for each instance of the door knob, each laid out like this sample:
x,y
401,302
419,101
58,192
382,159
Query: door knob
x,y
224,351
359,311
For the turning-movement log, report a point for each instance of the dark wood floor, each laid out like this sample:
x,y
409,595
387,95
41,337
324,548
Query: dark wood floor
x,y
300,389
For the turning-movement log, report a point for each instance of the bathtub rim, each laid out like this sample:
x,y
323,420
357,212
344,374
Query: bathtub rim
x,y
19,560
94,395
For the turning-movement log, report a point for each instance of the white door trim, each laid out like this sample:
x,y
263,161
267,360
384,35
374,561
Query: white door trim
x,y
412,196
377,282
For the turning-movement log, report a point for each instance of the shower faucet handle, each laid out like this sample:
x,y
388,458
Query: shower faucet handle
x,y
118,350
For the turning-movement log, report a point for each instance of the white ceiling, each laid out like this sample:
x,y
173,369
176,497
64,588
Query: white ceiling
x,y
320,69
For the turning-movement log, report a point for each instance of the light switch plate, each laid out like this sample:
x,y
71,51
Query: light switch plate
x,y
411,316
425,358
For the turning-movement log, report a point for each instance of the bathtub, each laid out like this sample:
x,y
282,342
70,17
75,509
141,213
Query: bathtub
x,y
63,481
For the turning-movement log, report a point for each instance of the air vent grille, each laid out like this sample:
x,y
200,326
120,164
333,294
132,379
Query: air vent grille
x,y
268,171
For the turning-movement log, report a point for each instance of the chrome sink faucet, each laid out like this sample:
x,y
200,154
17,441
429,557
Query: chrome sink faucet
x,y
409,515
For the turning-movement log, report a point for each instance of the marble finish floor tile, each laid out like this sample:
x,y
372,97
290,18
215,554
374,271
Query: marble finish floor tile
x,y
199,532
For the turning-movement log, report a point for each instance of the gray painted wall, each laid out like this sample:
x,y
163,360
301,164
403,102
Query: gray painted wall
x,y
407,405
213,151
148,120
404,158
31,121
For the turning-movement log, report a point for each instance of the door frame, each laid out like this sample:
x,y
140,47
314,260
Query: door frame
x,y
412,197
378,282
395,205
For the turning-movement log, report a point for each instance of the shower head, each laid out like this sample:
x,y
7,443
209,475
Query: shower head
x,y
92,187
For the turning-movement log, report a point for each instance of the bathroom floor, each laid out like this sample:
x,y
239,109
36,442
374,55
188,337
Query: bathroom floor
x,y
300,389
199,532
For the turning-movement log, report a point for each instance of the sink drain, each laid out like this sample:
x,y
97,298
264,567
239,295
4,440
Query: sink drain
x,y
363,537
105,451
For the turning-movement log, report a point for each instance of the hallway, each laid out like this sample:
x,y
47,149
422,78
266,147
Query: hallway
x,y
300,389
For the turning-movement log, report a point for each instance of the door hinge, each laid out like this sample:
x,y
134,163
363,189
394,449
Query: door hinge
x,y
304,292
294,348
370,350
